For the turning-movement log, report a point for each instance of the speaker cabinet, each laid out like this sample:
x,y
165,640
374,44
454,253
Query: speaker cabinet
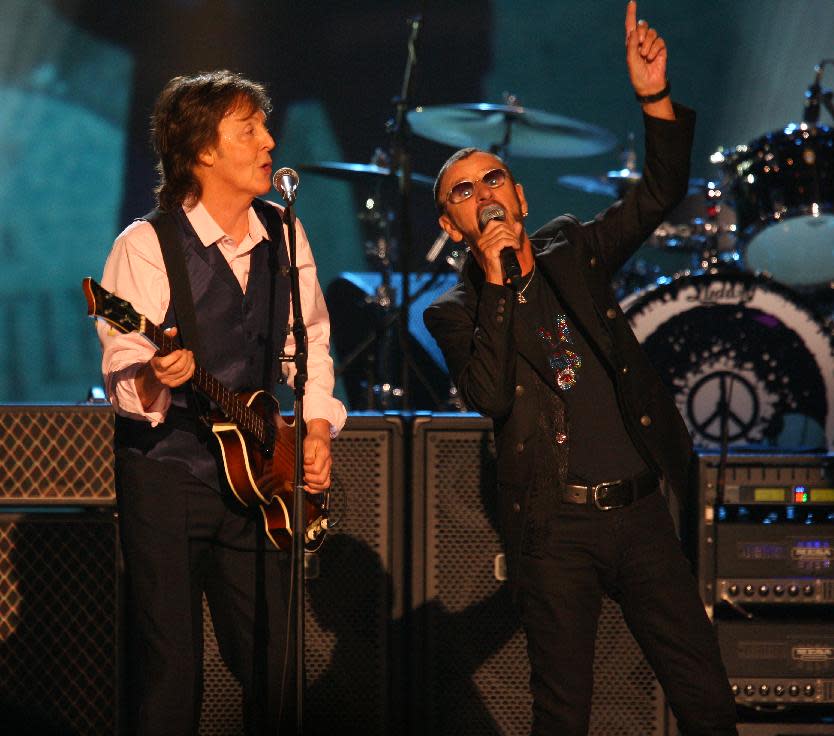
x,y
354,626
56,454
472,672
60,622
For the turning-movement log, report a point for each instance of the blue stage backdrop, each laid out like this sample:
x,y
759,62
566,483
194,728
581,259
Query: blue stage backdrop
x,y
78,77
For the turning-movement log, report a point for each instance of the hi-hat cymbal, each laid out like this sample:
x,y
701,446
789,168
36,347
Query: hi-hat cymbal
x,y
614,184
511,129
356,172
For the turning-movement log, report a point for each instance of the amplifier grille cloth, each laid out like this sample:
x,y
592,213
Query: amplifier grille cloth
x,y
58,622
56,454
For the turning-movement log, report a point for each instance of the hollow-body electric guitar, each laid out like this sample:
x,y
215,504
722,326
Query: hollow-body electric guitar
x,y
256,443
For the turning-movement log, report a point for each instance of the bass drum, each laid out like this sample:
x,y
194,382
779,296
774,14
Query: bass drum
x,y
782,187
738,348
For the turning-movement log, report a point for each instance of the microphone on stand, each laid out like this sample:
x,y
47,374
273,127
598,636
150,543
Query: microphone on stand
x,y
509,260
285,181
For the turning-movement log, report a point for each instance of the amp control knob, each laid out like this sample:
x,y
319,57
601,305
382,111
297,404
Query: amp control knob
x,y
779,690
793,690
778,590
808,690
749,690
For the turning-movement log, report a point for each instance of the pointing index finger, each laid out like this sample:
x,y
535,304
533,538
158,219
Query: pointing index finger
x,y
631,17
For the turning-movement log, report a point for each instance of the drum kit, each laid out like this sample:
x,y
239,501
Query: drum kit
x,y
731,295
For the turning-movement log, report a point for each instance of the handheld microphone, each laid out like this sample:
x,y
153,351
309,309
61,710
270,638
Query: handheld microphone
x,y
509,260
285,181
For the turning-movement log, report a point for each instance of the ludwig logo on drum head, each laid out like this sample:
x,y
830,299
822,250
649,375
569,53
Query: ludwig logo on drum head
x,y
723,292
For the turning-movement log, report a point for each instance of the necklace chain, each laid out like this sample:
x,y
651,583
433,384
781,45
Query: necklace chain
x,y
520,298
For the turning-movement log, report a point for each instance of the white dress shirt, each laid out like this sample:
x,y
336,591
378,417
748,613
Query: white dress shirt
x,y
135,271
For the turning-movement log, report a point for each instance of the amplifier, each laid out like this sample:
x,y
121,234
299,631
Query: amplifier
x,y
779,663
775,563
769,538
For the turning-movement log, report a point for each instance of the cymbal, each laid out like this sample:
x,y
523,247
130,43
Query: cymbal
x,y
519,131
614,184
370,173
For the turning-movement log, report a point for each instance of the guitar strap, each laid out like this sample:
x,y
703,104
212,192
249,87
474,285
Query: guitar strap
x,y
181,298
183,302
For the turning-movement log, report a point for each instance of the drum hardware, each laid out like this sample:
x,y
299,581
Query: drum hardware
x,y
816,95
386,218
699,235
615,183
509,129
782,188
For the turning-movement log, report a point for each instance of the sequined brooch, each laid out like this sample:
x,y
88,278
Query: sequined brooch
x,y
564,362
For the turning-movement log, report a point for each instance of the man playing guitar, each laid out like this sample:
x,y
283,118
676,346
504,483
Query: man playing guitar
x,y
183,534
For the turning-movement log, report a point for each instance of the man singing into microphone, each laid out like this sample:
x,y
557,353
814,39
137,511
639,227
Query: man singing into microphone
x,y
182,533
585,430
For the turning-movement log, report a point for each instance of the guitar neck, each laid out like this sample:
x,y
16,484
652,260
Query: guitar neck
x,y
229,403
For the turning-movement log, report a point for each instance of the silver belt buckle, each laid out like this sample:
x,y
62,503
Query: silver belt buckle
x,y
601,486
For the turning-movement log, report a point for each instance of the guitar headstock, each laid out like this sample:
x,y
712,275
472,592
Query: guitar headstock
x,y
117,312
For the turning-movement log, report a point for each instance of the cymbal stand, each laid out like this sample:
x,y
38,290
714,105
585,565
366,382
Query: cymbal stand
x,y
710,230
502,149
399,130
380,252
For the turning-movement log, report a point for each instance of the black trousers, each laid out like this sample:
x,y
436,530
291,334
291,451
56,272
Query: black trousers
x,y
180,539
634,556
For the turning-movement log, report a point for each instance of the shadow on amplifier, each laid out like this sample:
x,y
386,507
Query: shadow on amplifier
x,y
471,670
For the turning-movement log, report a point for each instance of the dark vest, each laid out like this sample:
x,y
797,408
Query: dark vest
x,y
232,328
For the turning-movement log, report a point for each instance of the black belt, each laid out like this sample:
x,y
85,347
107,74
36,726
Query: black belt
x,y
611,494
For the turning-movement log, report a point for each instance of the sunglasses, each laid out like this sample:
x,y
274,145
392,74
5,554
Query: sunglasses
x,y
463,190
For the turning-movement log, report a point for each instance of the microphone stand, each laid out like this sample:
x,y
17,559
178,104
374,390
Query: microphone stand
x,y
299,331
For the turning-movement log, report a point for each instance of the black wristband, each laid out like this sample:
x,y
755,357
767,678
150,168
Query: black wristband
x,y
657,96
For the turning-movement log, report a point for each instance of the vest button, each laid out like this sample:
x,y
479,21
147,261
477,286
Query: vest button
x,y
561,438
593,261
645,420
624,369
519,448
610,312
516,506
519,390
499,319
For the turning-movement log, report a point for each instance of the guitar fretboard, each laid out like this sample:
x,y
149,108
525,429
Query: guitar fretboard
x,y
230,404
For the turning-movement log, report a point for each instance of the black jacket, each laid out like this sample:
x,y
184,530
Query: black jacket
x,y
493,365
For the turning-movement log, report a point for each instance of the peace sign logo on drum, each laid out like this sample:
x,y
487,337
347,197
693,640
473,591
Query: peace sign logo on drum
x,y
740,349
